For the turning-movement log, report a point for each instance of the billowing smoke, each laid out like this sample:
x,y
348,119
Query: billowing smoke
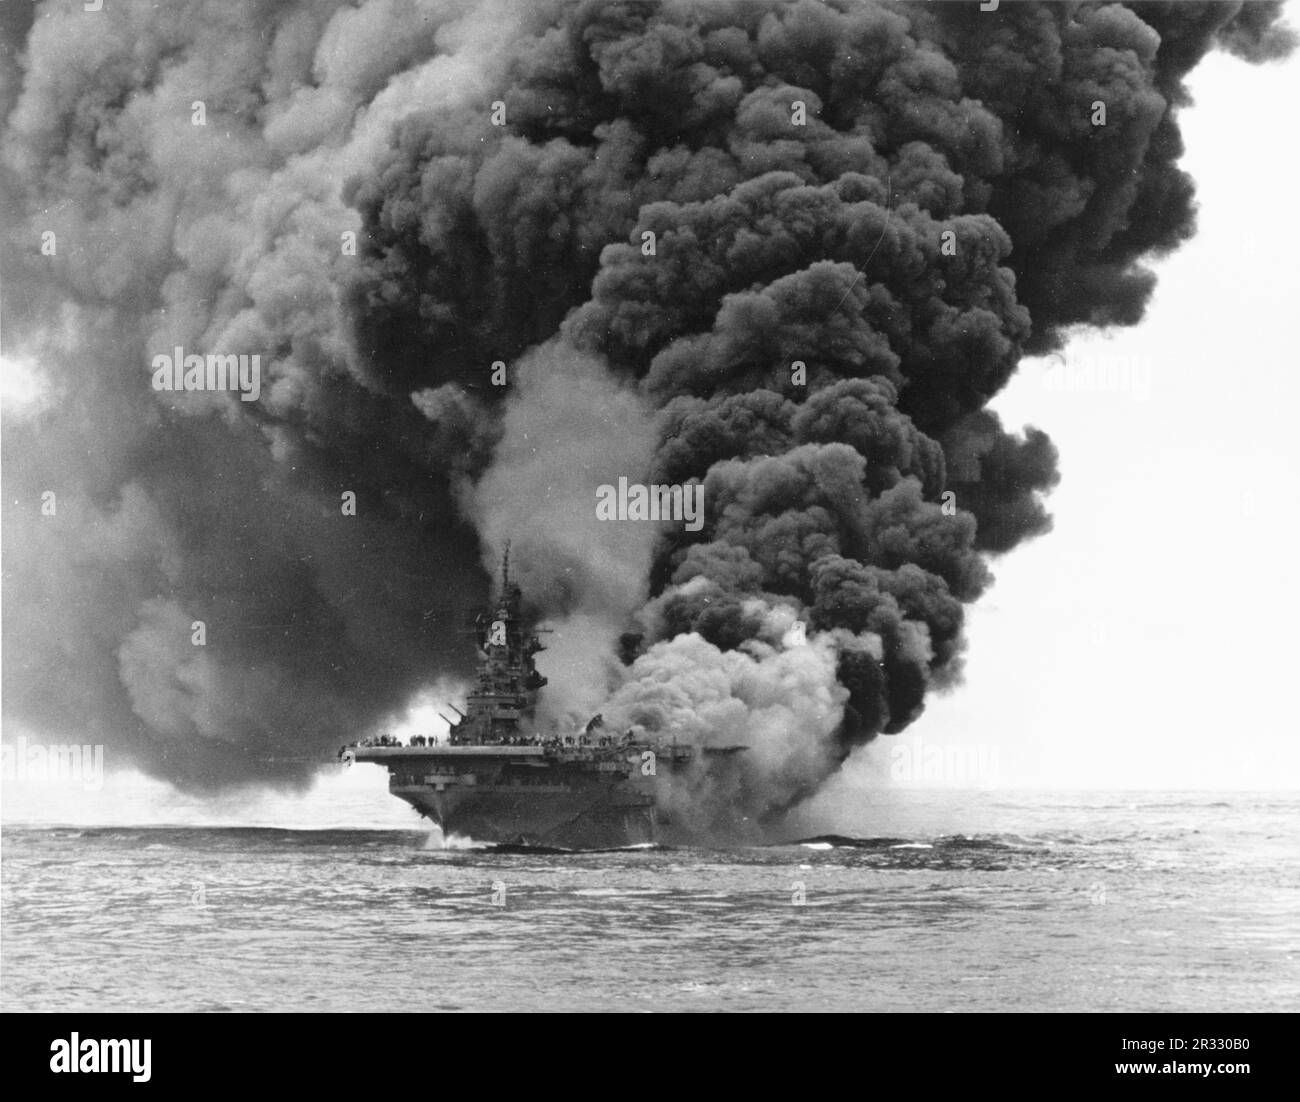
x,y
188,161
787,251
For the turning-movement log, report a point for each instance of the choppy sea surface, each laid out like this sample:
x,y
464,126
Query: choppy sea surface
x,y
969,901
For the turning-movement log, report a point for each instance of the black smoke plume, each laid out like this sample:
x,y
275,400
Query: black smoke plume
x,y
948,205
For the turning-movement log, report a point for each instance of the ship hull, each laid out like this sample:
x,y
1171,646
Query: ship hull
x,y
598,818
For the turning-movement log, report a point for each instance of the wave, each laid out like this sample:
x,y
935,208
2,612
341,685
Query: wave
x,y
998,842
519,847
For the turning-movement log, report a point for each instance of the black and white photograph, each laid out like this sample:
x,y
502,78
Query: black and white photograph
x,y
651,506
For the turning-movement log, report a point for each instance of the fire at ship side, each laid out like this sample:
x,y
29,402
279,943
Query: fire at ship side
x,y
497,779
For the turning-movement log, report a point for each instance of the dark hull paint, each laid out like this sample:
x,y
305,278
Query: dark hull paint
x,y
594,817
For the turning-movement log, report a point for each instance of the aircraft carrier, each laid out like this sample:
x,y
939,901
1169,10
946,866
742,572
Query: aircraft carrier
x,y
497,779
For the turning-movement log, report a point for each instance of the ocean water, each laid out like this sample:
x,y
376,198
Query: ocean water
x,y
979,901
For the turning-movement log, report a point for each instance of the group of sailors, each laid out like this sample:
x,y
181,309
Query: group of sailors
x,y
552,741
393,740
556,740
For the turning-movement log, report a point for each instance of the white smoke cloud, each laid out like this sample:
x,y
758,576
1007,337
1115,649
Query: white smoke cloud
x,y
569,427
780,700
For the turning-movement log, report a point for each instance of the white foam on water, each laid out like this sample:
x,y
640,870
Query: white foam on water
x,y
437,840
